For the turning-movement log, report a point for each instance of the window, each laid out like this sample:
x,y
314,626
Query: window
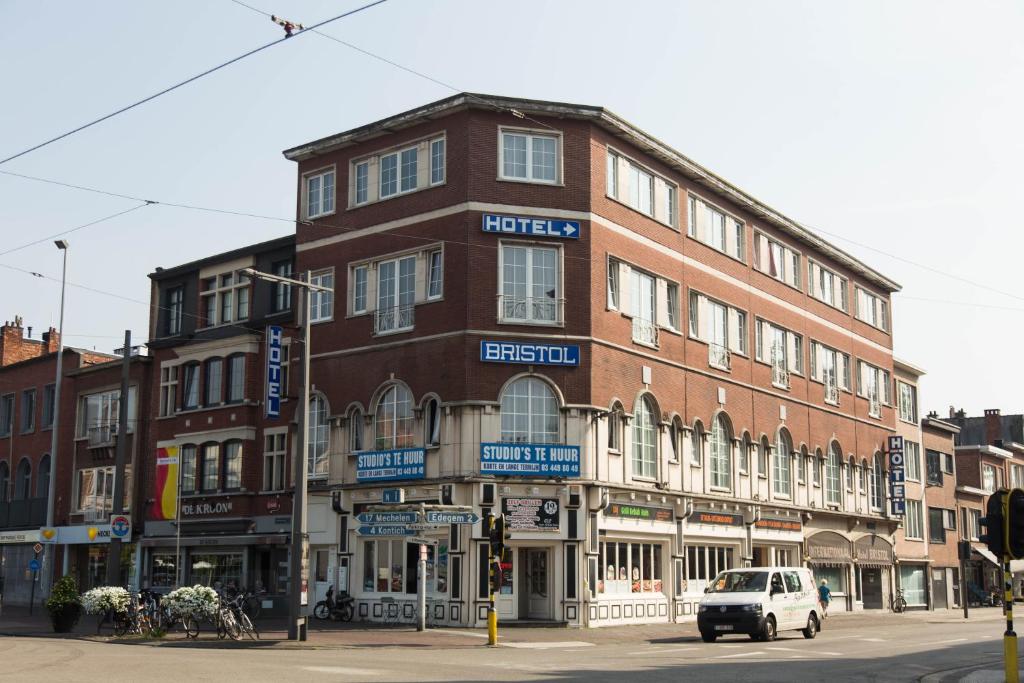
x,y
914,524
697,444
275,455
675,437
776,260
612,174
833,466
613,284
387,565
831,368
214,381
98,415
1016,476
850,467
232,466
933,464
782,479
877,484
320,194
49,395
672,296
95,492
825,285
188,469
398,171
817,465
872,309
209,468
722,327
43,478
319,438
801,465
396,294
645,446
864,471
530,157
762,458
529,412
874,385
355,433
988,478
23,480
28,410
630,568
236,378
282,290
190,398
615,429
703,563
642,292
225,298
745,446
388,176
321,302
432,423
175,308
530,284
718,230
362,182
974,522
947,464
721,454
5,481
641,190
393,422
780,348
435,274
359,283
437,152
937,525
908,401
912,454
6,414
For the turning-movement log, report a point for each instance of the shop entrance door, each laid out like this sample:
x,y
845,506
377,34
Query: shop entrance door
x,y
506,603
939,588
871,585
538,579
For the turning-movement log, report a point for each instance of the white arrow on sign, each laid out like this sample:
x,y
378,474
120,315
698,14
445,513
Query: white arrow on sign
x,y
569,228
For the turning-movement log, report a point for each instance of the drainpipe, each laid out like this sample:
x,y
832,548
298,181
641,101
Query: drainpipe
x,y
754,512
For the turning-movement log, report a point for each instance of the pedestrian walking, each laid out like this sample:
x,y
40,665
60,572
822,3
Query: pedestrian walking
x,y
824,597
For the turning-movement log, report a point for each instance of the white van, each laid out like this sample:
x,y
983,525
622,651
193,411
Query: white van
x,y
759,601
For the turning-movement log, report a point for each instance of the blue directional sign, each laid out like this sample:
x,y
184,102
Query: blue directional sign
x,y
273,397
403,463
389,530
528,353
33,565
534,227
530,459
439,517
387,517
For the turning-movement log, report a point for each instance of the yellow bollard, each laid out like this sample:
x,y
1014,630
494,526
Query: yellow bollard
x,y
1010,658
492,627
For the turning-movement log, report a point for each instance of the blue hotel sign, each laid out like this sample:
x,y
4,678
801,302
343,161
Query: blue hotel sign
x,y
402,463
533,227
530,459
897,479
273,398
529,353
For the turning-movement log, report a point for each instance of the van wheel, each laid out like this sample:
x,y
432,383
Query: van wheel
x,y
812,626
768,632
708,637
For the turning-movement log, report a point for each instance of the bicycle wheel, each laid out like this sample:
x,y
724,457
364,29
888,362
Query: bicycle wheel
x,y
901,605
321,611
122,624
247,626
347,612
191,627
252,607
234,630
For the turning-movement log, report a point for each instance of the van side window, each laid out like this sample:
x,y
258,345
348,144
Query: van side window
x,y
792,582
776,581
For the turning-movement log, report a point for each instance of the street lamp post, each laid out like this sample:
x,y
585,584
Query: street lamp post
x,y
51,489
299,564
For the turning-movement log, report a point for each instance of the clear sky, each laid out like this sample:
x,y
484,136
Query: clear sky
x,y
893,125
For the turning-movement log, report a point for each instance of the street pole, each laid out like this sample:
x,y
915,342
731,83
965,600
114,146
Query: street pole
x,y
421,580
492,613
298,586
51,489
120,455
1009,637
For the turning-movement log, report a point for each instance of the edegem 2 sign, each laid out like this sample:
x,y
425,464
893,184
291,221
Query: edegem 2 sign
x,y
403,463
530,459
273,401
529,353
534,227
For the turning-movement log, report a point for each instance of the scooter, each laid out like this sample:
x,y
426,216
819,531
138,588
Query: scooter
x,y
342,609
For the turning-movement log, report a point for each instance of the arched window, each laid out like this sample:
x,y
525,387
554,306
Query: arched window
x,y
876,483
23,481
816,465
783,453
697,443
319,437
529,412
745,454
5,482
864,469
355,430
432,423
190,390
849,473
645,440
615,428
721,462
676,437
801,465
214,384
393,422
43,479
833,474
236,378
762,457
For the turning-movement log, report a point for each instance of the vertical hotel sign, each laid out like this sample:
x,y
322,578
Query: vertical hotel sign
x,y
273,398
165,506
897,477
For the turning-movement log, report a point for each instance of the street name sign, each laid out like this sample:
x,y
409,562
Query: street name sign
x,y
387,517
439,517
387,530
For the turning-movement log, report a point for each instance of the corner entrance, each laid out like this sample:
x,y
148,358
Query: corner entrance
x,y
526,585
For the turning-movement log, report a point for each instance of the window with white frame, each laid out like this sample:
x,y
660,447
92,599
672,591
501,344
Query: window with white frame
x,y
874,385
435,274
359,288
716,228
393,422
745,446
225,298
235,384
780,348
782,476
775,259
642,296
816,465
721,454
651,301
629,568
190,393
397,171
877,483
833,466
697,444
827,286
168,389
763,453
321,303
275,455
437,161
613,284
912,455
355,431
914,525
801,465
1017,476
988,478
723,328
98,414
362,182
851,467
396,295
831,368
317,456
872,309
529,412
320,193
95,491
645,440
615,422
529,156
530,287
908,401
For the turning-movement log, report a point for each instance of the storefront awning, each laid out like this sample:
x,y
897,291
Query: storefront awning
x,y
987,554
251,539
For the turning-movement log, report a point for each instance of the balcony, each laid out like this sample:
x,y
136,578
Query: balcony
x,y
719,357
102,436
780,375
543,310
874,406
397,319
645,332
832,394
29,512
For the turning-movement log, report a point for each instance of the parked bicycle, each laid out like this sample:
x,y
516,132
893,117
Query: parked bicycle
x,y
237,607
899,603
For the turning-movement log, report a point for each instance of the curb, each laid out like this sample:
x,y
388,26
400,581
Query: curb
x,y
939,676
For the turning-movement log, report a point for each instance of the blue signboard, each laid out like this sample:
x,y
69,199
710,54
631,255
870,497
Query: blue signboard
x,y
897,474
388,517
530,459
529,353
33,565
403,463
440,517
392,496
534,227
391,530
273,399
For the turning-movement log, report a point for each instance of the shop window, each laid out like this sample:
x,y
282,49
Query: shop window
x,y
163,570
703,563
630,568
217,570
390,567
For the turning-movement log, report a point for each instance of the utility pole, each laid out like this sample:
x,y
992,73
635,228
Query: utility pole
x,y
51,489
421,580
120,455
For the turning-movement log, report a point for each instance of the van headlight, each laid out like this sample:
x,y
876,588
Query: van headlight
x,y
702,608
751,608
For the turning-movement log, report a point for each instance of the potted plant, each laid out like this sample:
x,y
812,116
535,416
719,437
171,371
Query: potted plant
x,y
64,605
108,602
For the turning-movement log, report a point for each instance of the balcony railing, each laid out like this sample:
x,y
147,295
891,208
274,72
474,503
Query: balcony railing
x,y
393,319
874,406
645,332
101,436
95,514
719,357
530,309
780,375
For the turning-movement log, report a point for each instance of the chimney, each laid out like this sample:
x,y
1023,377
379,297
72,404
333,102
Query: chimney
x,y
993,426
952,412
52,339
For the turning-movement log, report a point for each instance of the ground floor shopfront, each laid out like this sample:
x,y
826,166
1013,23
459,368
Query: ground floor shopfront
x,y
856,566
16,578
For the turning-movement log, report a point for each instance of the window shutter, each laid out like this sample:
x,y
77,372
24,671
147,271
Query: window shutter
x,y
733,332
730,236
623,180
660,200
661,302
625,289
423,165
372,180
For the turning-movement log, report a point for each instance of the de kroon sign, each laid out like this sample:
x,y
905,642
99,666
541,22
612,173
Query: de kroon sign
x,y
206,508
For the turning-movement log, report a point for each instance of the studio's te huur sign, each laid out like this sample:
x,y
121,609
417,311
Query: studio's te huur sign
x,y
394,465
533,227
897,477
530,459
273,398
529,353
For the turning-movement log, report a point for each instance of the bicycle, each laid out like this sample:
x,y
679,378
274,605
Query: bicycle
x,y
899,603
237,607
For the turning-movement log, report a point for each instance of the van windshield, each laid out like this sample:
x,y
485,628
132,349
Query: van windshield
x,y
739,582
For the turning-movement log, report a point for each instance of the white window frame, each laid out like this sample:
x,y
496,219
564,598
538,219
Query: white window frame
x,y
790,271
879,307
765,332
530,135
432,270
360,176
320,174
715,349
438,172
912,451
360,290
816,290
529,319
230,295
275,448
404,320
914,527
903,412
695,204
324,278
168,389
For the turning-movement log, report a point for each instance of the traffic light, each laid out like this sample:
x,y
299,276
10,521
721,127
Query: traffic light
x,y
497,534
994,523
1014,524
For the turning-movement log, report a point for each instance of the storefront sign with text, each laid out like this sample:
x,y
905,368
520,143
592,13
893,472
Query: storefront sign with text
x,y
639,512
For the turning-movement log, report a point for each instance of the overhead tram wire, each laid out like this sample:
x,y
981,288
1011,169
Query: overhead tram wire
x,y
76,229
185,82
